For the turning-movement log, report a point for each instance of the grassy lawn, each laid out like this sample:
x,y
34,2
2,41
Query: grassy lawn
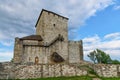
x,y
74,78
65,78
110,78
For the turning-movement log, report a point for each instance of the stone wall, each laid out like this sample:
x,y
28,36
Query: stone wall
x,y
5,69
13,71
107,70
51,70
75,51
18,50
43,53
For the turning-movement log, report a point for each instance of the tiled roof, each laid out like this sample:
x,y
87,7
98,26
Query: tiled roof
x,y
32,37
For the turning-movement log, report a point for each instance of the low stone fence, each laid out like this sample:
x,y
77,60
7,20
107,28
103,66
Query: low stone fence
x,y
23,71
107,70
39,71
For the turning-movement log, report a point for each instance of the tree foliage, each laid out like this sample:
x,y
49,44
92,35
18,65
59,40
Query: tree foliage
x,y
99,56
92,56
11,60
115,62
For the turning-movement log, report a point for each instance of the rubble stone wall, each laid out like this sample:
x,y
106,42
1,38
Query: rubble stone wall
x,y
107,70
14,71
55,70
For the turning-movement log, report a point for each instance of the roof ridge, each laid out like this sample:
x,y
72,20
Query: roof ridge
x,y
49,12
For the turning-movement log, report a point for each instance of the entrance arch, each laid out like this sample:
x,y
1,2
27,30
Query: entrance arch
x,y
36,60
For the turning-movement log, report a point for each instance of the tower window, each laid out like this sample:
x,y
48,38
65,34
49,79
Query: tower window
x,y
54,25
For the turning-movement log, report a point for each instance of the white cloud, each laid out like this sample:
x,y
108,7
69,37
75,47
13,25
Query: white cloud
x,y
6,56
113,36
111,46
19,16
92,40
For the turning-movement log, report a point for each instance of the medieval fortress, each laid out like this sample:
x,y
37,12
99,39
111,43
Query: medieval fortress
x,y
50,45
49,53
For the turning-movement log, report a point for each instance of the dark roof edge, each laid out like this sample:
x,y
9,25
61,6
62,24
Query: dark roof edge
x,y
32,37
49,12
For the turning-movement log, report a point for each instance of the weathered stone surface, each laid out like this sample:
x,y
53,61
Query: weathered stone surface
x,y
45,71
41,70
12,71
75,51
58,70
68,70
24,71
107,70
51,70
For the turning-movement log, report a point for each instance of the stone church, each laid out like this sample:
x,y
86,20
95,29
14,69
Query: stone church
x,y
50,44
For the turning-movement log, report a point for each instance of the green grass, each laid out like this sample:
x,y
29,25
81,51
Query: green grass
x,y
110,78
65,78
73,78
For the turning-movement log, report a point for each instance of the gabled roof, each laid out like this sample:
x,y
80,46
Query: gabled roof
x,y
49,12
32,37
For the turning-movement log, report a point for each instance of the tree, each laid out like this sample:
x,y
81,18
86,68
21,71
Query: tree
x,y
92,56
11,60
115,62
102,57
99,56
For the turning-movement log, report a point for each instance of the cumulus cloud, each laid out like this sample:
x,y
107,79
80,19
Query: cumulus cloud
x,y
93,40
113,36
111,47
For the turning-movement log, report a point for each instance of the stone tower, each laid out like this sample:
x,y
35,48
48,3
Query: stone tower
x,y
50,25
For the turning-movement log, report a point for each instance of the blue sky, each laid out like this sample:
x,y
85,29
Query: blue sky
x,y
96,22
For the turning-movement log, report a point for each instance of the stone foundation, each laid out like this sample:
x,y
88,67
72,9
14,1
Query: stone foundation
x,y
107,70
42,71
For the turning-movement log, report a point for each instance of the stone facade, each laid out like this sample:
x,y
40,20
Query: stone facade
x,y
50,45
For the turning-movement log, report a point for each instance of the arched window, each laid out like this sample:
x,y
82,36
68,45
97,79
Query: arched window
x,y
36,60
